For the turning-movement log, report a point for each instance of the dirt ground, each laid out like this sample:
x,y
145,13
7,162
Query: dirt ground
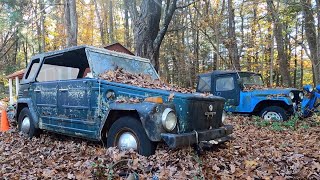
x,y
260,150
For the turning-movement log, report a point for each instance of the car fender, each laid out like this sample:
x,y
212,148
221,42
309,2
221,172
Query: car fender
x,y
149,116
260,100
32,110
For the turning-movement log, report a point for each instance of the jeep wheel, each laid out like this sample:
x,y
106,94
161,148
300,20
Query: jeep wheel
x,y
26,123
128,133
274,113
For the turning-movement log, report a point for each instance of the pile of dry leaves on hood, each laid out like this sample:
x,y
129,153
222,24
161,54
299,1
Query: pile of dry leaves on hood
x,y
119,75
253,87
255,153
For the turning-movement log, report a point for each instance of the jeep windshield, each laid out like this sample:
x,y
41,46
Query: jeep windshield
x,y
102,62
251,79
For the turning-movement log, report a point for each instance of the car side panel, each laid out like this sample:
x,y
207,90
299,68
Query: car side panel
x,y
74,108
248,102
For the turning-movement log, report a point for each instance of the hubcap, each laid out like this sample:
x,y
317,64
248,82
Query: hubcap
x,y
25,125
272,116
127,141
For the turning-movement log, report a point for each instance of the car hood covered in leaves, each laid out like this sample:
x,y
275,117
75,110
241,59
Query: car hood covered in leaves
x,y
146,86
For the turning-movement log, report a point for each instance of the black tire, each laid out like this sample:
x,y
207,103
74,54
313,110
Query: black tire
x,y
276,109
129,124
33,131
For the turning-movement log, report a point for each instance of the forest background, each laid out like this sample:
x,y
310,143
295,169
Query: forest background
x,y
182,38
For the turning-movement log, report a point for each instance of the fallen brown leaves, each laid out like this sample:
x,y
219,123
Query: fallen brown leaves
x,y
256,153
253,87
119,75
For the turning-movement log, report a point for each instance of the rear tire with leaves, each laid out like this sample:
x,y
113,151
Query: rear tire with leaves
x,y
273,113
127,132
26,123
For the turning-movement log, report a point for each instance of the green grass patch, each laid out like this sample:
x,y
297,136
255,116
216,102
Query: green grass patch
x,y
294,123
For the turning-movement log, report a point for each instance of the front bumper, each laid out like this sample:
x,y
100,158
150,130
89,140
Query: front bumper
x,y
186,139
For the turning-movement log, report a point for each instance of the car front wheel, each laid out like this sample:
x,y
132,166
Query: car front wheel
x,y
128,133
274,113
26,123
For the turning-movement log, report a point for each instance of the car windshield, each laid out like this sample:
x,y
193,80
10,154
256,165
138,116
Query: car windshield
x,y
251,79
102,62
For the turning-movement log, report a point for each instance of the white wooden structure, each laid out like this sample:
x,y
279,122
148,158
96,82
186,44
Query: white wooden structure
x,y
16,76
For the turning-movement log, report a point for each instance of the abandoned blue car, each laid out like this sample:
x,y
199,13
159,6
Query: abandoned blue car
x,y
61,92
245,94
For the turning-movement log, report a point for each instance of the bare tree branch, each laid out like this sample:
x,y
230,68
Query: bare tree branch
x,y
187,5
302,45
167,20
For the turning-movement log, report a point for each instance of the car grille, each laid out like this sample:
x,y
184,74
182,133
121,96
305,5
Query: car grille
x,y
296,98
201,118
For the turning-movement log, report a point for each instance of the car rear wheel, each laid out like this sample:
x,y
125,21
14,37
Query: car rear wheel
x,y
128,133
26,123
274,113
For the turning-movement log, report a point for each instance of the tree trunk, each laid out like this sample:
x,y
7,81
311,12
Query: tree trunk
x,y
283,59
102,32
43,30
38,26
71,22
231,44
147,33
301,54
295,55
25,51
111,35
126,24
311,35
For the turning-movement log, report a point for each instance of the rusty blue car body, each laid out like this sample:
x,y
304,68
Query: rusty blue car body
x,y
64,94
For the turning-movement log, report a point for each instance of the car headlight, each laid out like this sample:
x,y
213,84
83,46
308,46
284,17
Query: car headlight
x,y
291,95
224,114
169,119
301,95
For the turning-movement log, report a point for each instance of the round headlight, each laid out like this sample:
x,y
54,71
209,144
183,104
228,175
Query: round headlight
x,y
291,95
169,119
224,114
301,95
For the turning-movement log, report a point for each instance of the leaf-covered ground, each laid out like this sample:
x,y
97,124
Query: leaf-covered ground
x,y
257,152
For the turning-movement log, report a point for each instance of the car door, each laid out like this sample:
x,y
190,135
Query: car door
x,y
75,109
45,97
226,87
44,94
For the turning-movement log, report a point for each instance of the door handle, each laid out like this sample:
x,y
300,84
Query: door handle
x,y
63,89
37,90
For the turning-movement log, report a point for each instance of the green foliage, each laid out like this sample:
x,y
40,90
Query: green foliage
x,y
294,123
276,126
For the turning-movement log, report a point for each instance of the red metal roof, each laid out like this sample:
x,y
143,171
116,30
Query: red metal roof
x,y
18,74
118,48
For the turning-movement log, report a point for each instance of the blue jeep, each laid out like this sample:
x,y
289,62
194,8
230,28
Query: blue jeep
x,y
62,92
245,94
